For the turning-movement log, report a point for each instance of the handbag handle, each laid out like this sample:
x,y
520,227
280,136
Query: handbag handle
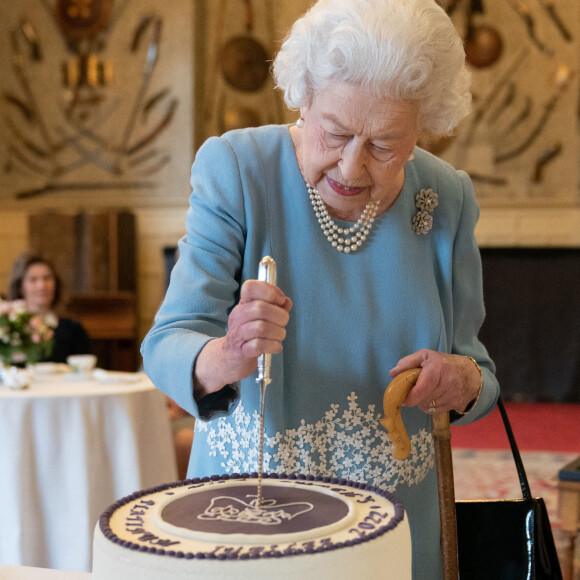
x,y
527,494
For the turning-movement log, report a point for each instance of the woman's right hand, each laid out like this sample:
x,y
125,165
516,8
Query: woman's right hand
x,y
256,325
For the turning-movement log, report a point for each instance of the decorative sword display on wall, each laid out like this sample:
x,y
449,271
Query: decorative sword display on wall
x,y
52,147
510,138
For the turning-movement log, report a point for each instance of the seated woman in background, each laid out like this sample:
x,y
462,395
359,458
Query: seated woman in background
x,y
34,279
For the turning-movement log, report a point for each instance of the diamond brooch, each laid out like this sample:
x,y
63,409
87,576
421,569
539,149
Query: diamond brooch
x,y
426,201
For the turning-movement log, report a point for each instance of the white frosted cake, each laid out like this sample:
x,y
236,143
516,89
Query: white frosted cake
x,y
213,528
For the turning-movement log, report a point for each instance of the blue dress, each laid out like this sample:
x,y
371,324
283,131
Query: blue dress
x,y
353,317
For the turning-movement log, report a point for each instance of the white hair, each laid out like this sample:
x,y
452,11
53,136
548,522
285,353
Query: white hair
x,y
406,50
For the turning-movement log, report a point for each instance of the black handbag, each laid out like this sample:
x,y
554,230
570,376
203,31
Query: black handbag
x,y
507,539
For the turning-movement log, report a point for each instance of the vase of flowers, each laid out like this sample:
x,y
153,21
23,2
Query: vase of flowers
x,y
25,337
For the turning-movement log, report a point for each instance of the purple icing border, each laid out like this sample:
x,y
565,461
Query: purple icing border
x,y
111,536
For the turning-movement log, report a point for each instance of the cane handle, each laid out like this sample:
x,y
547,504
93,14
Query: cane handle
x,y
394,396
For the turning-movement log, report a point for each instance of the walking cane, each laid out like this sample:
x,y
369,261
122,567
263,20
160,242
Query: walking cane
x,y
393,423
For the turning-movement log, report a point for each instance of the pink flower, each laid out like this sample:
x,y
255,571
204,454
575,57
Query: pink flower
x,y
23,333
19,357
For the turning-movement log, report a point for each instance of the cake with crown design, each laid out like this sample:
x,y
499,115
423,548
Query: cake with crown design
x,y
215,528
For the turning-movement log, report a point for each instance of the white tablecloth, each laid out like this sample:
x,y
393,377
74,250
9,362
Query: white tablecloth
x,y
27,573
68,449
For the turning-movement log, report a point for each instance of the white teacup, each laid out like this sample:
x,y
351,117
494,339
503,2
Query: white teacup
x,y
82,365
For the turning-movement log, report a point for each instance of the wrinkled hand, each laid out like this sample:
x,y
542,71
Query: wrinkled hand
x,y
452,381
256,325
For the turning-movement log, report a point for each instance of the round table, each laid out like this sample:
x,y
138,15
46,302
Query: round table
x,y
68,449
28,573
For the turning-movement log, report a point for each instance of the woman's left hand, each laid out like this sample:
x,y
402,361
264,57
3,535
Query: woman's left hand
x,y
449,381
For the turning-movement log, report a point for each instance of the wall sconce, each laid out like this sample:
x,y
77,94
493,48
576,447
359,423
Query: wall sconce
x,y
87,69
82,23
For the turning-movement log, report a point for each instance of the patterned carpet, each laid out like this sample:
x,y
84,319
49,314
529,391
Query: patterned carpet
x,y
491,474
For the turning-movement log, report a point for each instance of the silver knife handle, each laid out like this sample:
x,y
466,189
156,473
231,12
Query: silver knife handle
x,y
267,270
266,273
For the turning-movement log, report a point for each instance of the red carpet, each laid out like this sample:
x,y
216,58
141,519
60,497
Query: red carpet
x,y
536,427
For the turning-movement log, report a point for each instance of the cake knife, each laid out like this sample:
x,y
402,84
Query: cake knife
x,y
266,273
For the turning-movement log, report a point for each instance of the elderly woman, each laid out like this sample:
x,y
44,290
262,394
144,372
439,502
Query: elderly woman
x,y
378,269
34,280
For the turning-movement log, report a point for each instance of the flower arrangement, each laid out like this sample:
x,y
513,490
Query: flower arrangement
x,y
25,337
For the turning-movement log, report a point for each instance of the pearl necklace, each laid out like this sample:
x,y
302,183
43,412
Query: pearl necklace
x,y
336,235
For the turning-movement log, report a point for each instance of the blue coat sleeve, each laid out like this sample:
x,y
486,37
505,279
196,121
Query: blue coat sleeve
x,y
204,283
468,305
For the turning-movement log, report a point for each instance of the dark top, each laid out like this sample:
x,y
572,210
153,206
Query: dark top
x,y
69,338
